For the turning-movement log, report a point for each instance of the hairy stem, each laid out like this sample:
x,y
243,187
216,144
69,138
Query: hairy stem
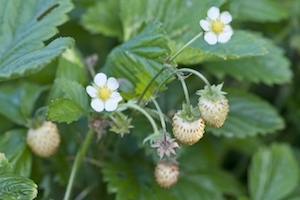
x,y
161,116
197,74
144,112
186,45
78,160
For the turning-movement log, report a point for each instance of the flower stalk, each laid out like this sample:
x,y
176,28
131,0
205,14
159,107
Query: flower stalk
x,y
78,160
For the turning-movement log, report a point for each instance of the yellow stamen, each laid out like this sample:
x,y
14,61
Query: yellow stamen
x,y
217,26
104,93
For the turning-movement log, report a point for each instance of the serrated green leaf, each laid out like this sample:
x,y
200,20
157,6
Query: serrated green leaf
x,y
258,10
141,58
242,44
18,99
104,18
272,68
74,91
23,29
19,156
248,116
34,61
64,110
5,166
274,173
13,187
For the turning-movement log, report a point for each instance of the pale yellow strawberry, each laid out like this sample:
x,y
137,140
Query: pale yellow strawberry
x,y
188,132
44,140
166,173
213,105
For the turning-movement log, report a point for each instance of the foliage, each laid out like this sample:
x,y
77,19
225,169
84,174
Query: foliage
x,y
46,62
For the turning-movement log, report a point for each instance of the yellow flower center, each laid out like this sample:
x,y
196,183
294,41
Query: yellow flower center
x,y
104,93
217,26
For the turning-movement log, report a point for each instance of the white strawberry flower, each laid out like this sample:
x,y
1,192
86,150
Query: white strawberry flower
x,y
104,93
216,26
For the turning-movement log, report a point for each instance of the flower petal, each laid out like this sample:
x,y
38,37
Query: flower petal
x,y
210,38
205,25
97,105
213,13
110,105
115,96
112,83
100,79
224,37
225,17
91,91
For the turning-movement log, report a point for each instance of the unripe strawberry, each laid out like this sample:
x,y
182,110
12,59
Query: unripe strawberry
x,y
166,173
213,105
187,132
44,140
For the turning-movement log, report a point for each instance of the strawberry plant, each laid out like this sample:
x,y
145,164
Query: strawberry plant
x,y
152,99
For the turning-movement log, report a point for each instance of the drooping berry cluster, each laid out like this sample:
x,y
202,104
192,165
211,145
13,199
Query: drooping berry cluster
x,y
213,108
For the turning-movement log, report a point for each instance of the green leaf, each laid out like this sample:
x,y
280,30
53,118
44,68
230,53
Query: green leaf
x,y
103,18
17,187
18,99
274,173
272,68
242,44
141,58
23,29
74,91
13,144
64,110
5,166
71,67
258,10
248,116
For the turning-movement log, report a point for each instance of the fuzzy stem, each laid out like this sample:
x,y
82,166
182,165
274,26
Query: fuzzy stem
x,y
186,94
79,156
186,45
161,116
144,112
150,83
196,73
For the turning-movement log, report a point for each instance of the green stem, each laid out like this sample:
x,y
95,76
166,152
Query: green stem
x,y
167,61
160,85
161,116
186,94
197,74
144,112
150,83
79,156
187,44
